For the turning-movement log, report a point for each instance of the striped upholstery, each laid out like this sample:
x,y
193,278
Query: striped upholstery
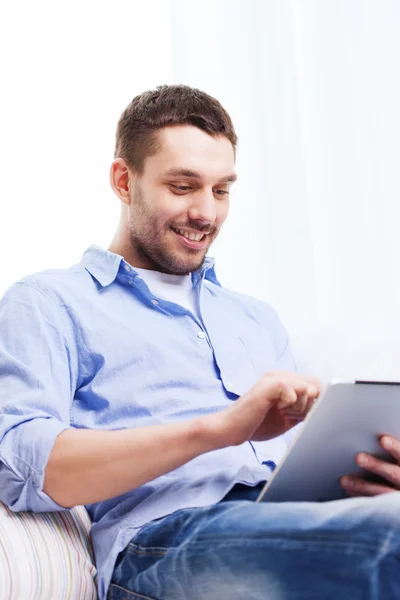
x,y
46,556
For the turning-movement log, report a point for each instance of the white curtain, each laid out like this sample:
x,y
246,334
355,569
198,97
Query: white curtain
x,y
314,91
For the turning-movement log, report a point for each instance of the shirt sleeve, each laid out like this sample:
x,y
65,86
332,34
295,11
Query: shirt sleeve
x,y
37,384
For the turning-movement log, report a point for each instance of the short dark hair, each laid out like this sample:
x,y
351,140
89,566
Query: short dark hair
x,y
136,135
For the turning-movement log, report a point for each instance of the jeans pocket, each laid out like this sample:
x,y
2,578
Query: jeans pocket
x,y
117,592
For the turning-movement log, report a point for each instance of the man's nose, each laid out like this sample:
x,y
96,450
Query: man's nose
x,y
203,207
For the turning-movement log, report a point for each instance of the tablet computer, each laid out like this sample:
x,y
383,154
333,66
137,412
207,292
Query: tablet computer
x,y
347,419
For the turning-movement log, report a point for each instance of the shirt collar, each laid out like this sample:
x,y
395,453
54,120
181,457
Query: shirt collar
x,y
207,270
104,266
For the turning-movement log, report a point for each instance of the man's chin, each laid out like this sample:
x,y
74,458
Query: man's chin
x,y
185,267
173,261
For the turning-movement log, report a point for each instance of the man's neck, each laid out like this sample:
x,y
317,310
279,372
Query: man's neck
x,y
122,246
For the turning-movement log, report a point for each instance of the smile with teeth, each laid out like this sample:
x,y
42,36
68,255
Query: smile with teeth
x,y
196,237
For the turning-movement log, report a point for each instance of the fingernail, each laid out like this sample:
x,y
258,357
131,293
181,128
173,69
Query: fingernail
x,y
362,460
387,443
347,482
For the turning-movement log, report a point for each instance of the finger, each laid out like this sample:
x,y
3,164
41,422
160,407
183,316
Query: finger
x,y
294,379
287,395
314,392
305,392
301,398
299,407
391,445
307,398
306,388
308,404
300,410
387,470
315,383
355,486
288,390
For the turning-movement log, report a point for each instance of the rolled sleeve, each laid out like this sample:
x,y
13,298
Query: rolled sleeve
x,y
37,383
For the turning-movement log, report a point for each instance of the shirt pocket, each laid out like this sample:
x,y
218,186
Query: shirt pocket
x,y
252,354
260,349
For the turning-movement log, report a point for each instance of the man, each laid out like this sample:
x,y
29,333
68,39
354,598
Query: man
x,y
135,384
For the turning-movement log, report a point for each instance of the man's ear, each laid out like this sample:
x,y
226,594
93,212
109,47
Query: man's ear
x,y
120,179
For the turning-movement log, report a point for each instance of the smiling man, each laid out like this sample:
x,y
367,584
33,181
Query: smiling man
x,y
175,206
134,383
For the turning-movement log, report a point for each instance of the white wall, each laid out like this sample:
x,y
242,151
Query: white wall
x,y
314,89
68,70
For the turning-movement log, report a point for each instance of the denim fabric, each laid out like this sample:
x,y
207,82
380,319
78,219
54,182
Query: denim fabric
x,y
241,550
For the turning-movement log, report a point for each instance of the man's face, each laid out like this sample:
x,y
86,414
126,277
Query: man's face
x,y
179,203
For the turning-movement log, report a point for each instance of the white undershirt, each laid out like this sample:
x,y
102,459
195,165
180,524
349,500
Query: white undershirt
x,y
173,288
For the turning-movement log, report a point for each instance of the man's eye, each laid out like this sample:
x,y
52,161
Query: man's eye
x,y
221,192
182,188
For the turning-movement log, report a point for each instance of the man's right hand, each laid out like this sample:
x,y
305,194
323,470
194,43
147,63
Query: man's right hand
x,y
87,465
277,402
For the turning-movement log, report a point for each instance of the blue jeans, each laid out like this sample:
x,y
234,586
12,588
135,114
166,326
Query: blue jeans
x,y
240,550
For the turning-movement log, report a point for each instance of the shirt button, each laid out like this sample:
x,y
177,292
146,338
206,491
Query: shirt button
x,y
127,268
201,335
155,302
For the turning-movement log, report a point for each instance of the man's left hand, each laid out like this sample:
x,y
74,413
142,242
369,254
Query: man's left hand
x,y
389,471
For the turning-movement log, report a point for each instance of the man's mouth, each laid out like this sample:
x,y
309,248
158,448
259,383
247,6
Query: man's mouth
x,y
195,240
190,235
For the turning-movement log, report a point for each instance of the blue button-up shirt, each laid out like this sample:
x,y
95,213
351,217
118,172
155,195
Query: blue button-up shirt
x,y
92,347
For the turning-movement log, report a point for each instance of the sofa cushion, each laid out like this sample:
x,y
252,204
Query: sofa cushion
x,y
46,556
